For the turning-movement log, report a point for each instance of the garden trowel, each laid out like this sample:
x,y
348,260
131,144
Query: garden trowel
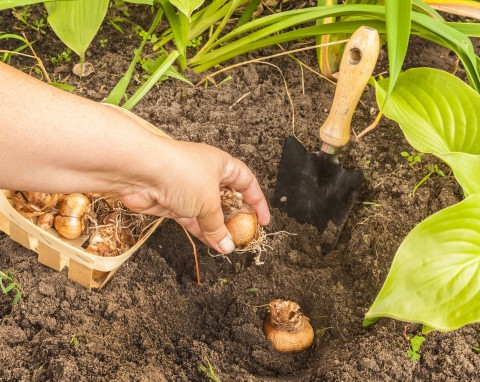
x,y
312,187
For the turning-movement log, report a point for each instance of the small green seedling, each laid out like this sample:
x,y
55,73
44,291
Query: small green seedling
x,y
223,281
252,290
115,23
373,204
412,157
22,14
432,169
208,371
476,349
62,58
321,332
195,42
6,55
75,340
8,284
152,37
39,25
225,80
103,42
415,345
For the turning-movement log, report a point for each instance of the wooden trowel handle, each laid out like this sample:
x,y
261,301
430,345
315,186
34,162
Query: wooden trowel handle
x,y
358,62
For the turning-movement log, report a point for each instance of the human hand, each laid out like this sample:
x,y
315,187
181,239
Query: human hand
x,y
189,190
101,149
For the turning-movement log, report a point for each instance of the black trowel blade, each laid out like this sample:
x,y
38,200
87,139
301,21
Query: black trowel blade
x,y
313,188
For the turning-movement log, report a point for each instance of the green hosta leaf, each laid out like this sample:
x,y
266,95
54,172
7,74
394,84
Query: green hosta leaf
x,y
146,2
6,4
427,329
187,6
466,168
439,114
76,22
435,275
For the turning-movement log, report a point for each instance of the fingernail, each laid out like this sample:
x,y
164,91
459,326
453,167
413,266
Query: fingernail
x,y
226,245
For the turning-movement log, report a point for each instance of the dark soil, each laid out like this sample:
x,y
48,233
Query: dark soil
x,y
153,323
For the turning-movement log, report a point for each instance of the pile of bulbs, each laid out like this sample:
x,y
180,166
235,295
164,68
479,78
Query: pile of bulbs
x,y
110,227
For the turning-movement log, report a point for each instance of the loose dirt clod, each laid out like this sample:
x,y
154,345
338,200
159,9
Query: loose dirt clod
x,y
83,69
150,323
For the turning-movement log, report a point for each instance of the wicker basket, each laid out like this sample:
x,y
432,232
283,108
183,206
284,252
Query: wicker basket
x,y
56,252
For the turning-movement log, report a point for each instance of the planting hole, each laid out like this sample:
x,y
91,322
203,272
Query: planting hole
x,y
354,56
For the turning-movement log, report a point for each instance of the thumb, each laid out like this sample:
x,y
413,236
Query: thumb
x,y
215,233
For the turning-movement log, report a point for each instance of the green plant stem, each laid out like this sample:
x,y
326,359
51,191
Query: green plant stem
x,y
232,6
120,88
152,80
179,24
277,28
423,180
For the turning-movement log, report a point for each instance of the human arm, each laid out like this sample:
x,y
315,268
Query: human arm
x,y
53,141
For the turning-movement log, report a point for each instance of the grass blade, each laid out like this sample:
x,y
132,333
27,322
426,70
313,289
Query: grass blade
x,y
179,24
187,6
328,56
444,34
398,21
66,87
249,11
152,80
266,27
232,6
423,7
469,29
16,298
269,30
8,288
6,56
120,88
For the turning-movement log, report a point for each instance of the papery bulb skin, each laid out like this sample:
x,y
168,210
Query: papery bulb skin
x,y
70,221
40,201
74,205
240,218
243,226
45,221
69,227
287,328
